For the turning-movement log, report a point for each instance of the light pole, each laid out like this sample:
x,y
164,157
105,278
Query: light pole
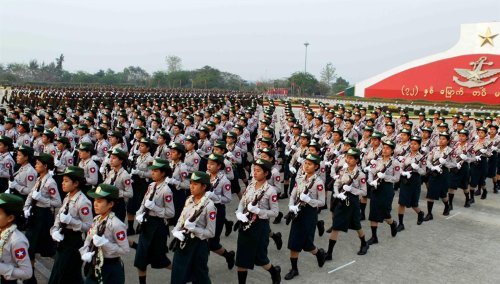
x,y
305,63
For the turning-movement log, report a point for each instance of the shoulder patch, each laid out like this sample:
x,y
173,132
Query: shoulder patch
x,y
227,186
85,210
397,168
278,178
20,253
92,170
320,187
212,215
127,182
274,198
120,235
31,178
363,180
52,191
168,198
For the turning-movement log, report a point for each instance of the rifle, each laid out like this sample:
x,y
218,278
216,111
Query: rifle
x,y
251,216
342,195
435,161
89,268
408,167
33,203
291,215
382,171
176,243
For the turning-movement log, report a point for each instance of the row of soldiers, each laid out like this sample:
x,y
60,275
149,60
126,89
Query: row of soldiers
x,y
180,167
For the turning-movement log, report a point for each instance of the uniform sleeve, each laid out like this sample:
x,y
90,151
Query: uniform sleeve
x,y
30,180
226,195
241,205
274,209
319,188
184,177
147,173
168,205
293,194
229,170
54,199
210,216
57,222
422,169
119,245
22,268
128,192
92,170
336,186
394,174
84,220
360,190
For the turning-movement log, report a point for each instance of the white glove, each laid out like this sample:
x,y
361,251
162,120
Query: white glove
x,y
7,191
150,204
87,257
57,163
293,208
51,173
189,225
336,153
294,147
401,158
12,184
178,235
15,145
374,183
242,217
130,158
287,153
347,188
414,166
292,170
373,162
316,136
380,175
305,198
494,148
367,169
476,137
99,241
133,172
328,142
442,161
57,236
167,180
139,218
199,152
254,209
344,166
173,181
328,163
437,169
478,158
483,151
66,219
406,174
463,156
424,149
229,155
95,158
36,195
27,212
364,150
102,170
459,165
342,196
335,195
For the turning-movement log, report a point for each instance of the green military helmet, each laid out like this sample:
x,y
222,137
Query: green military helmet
x,y
464,132
177,146
11,202
314,144
104,190
191,138
216,158
119,153
445,134
146,141
7,141
406,131
86,146
390,143
220,144
45,159
232,134
159,164
355,152
74,172
377,135
268,151
350,141
416,138
305,135
314,158
200,177
63,140
264,164
48,133
83,127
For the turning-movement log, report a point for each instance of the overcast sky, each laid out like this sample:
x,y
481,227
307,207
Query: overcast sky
x,y
256,39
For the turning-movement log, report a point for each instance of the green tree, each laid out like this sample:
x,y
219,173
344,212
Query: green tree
x,y
340,85
174,63
306,83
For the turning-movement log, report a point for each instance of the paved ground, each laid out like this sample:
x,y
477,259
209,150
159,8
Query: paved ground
x,y
460,248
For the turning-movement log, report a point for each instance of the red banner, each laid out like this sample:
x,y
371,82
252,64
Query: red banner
x,y
467,78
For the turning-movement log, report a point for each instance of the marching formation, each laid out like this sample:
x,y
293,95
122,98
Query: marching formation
x,y
82,169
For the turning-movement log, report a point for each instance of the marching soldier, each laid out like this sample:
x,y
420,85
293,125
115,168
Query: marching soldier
x,y
258,204
439,161
106,241
162,150
40,203
413,166
6,162
479,167
89,166
25,176
23,137
14,261
73,218
192,159
62,160
347,215
382,175
195,226
459,168
179,182
369,159
492,155
36,138
121,179
48,143
156,209
140,179
204,146
101,146
305,199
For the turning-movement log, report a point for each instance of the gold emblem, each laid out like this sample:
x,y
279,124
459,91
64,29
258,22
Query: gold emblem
x,y
475,75
487,37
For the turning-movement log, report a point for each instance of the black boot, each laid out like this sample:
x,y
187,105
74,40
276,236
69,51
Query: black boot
x,y
229,256
446,211
321,257
394,226
400,227
321,227
495,187
467,200
278,218
428,217
471,196
330,230
229,227
277,240
477,192
420,218
483,195
363,249
130,231
372,241
291,274
276,275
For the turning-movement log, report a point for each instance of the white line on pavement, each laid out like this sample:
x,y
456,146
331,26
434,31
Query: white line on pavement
x,y
340,267
453,215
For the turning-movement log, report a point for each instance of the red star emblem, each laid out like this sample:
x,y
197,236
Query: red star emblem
x,y
424,163
211,215
209,148
92,170
120,235
228,169
70,161
363,180
320,187
20,253
85,211
196,161
105,149
184,174
7,165
228,187
238,154
274,198
397,168
31,178
52,191
278,178
127,182
53,152
322,170
168,198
